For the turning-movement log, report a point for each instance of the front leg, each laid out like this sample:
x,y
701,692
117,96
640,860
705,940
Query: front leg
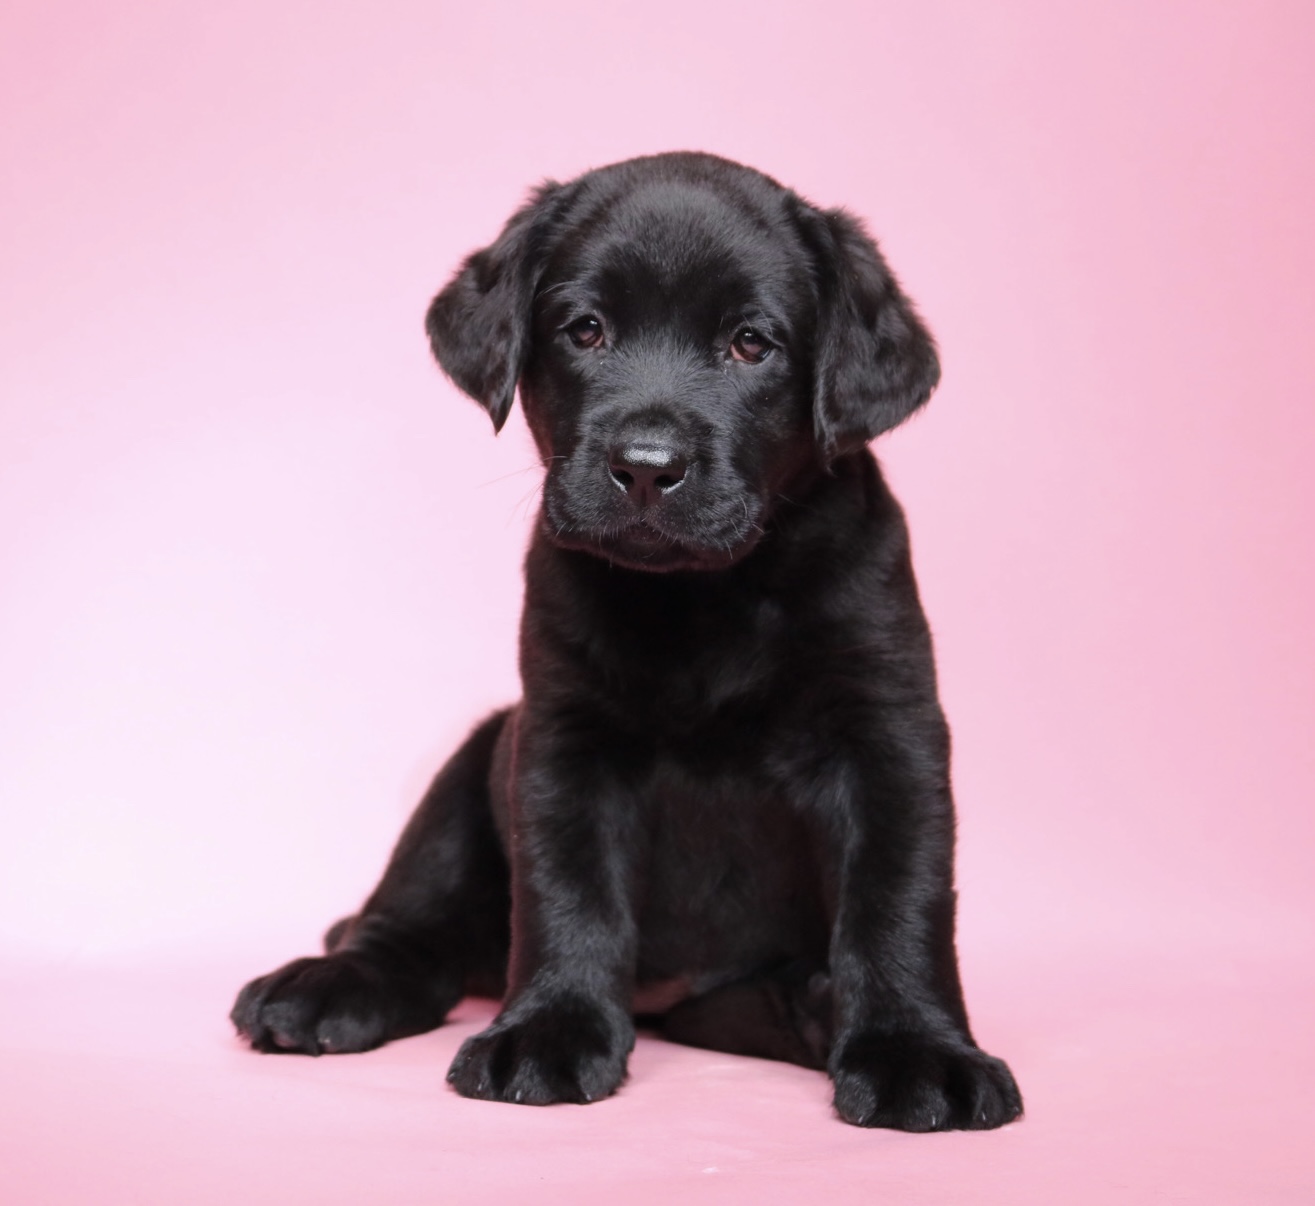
x,y
565,1031
903,1054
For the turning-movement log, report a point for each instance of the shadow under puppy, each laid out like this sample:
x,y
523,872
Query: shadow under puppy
x,y
724,800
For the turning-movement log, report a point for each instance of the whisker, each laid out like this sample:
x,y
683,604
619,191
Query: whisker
x,y
493,481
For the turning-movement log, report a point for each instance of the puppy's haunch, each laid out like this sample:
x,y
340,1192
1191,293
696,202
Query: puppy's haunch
x,y
724,799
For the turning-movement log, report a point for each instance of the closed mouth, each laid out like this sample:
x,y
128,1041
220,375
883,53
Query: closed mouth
x,y
640,545
645,535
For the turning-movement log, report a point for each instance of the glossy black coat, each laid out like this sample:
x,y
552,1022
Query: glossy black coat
x,y
723,804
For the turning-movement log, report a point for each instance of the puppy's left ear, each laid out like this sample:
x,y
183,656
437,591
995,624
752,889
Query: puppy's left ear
x,y
874,361
479,325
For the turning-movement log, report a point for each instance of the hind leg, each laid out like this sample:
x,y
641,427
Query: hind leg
x,y
434,928
783,1013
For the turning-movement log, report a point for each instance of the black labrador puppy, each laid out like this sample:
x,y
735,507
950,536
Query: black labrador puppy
x,y
723,804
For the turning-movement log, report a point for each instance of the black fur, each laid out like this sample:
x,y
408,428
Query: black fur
x,y
724,801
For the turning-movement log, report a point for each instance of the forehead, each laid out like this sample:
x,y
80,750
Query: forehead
x,y
682,241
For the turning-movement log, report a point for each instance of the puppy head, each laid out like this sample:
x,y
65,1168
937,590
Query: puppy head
x,y
689,339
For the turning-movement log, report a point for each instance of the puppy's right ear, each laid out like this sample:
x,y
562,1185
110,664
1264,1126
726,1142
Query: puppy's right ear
x,y
479,326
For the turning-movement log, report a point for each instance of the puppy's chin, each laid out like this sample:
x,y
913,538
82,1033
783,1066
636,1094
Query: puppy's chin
x,y
641,547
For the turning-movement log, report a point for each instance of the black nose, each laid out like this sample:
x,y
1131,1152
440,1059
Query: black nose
x,y
646,470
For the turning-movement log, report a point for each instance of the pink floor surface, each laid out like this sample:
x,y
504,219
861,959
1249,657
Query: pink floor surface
x,y
1144,1083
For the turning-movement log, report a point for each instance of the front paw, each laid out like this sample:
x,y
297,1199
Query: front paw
x,y
338,1003
570,1050
918,1083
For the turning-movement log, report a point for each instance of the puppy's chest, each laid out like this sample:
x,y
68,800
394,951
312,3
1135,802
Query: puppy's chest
x,y
695,668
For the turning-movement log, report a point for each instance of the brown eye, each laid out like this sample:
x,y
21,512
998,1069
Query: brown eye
x,y
586,332
749,347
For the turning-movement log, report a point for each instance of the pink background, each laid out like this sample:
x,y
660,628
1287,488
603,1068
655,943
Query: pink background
x,y
259,566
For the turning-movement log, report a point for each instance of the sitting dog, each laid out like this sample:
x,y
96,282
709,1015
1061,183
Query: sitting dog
x,y
723,804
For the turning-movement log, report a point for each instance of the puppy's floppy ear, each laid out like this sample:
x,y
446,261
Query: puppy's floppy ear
x,y
479,325
875,363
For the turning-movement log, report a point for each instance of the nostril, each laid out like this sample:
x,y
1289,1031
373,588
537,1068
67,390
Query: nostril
x,y
623,479
667,482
